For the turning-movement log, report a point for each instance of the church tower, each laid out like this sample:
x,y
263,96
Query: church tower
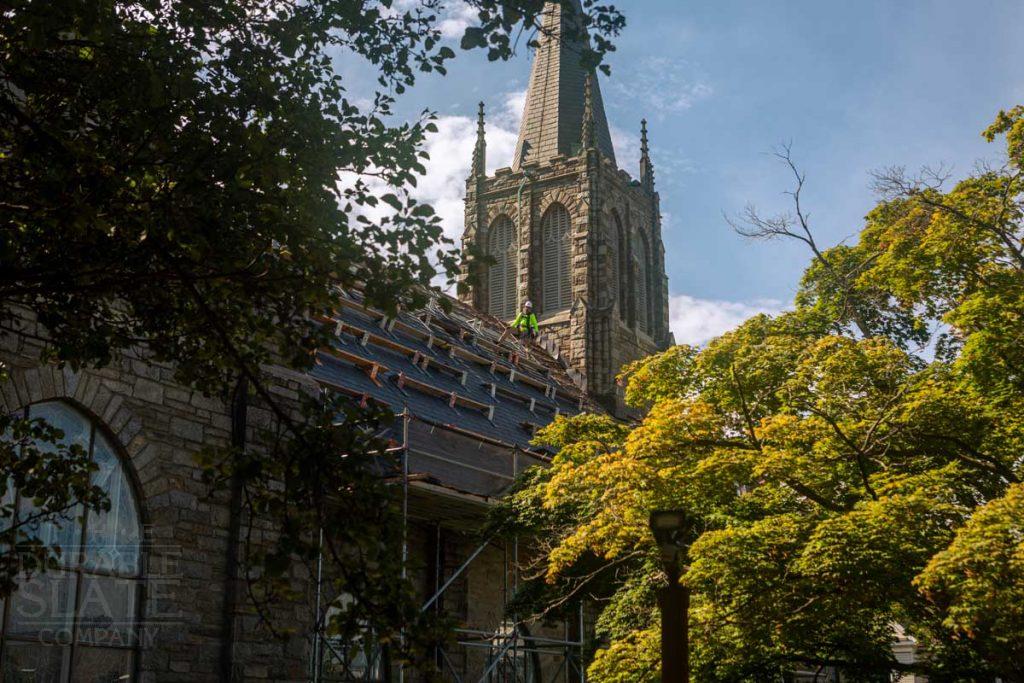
x,y
565,227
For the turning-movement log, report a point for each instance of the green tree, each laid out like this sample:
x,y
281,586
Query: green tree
x,y
848,484
170,186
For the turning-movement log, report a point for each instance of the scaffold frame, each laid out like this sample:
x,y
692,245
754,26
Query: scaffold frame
x,y
510,652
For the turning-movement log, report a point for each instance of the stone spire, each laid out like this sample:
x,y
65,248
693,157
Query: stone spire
x,y
479,167
646,167
553,115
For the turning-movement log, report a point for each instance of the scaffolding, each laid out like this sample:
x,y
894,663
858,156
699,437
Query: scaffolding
x,y
448,478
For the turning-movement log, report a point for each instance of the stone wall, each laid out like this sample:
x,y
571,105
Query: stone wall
x,y
159,426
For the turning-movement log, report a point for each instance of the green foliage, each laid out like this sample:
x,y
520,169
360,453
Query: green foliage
x,y
668,377
848,486
1011,124
188,182
630,659
978,581
34,455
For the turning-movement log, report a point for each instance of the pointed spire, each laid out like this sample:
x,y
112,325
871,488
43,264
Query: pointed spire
x,y
479,167
553,118
646,167
587,136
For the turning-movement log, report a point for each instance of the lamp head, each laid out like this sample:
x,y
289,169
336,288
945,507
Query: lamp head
x,y
673,531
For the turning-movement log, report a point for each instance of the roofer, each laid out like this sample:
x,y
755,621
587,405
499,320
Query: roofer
x,y
525,324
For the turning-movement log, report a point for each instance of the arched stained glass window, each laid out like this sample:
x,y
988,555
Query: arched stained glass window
x,y
556,272
79,622
502,246
641,260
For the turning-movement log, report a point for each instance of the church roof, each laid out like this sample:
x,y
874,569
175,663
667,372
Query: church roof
x,y
553,116
448,368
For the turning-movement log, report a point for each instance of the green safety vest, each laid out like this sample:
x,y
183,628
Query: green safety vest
x,y
527,320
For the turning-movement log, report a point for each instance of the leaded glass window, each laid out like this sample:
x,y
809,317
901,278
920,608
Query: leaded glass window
x,y
79,622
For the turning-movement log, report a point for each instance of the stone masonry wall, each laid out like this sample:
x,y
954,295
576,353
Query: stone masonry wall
x,y
159,426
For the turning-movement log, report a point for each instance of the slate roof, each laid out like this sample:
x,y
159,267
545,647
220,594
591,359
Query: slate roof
x,y
447,368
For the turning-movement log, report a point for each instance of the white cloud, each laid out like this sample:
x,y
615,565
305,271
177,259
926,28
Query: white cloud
x,y
443,186
627,148
696,321
510,114
451,153
456,18
453,16
662,86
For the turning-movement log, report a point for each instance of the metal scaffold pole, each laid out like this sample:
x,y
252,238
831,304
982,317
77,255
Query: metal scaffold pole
x,y
515,617
405,515
317,623
581,638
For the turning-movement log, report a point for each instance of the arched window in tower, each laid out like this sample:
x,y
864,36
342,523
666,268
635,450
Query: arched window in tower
x,y
80,620
621,268
556,273
641,260
607,275
501,274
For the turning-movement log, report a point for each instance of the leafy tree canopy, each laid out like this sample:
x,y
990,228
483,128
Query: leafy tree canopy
x,y
170,184
849,485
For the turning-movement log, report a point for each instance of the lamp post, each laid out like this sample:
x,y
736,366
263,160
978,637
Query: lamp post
x,y
673,532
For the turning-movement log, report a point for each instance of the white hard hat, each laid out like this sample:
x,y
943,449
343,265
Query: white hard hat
x,y
527,304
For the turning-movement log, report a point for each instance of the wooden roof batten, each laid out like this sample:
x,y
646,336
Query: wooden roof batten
x,y
366,337
447,358
453,398
450,325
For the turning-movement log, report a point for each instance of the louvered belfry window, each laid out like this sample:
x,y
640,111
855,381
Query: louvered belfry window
x,y
640,260
556,277
501,274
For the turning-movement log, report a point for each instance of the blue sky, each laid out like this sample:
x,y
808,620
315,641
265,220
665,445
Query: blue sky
x,y
854,86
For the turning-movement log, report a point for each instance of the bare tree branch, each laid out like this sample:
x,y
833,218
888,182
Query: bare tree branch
x,y
796,225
